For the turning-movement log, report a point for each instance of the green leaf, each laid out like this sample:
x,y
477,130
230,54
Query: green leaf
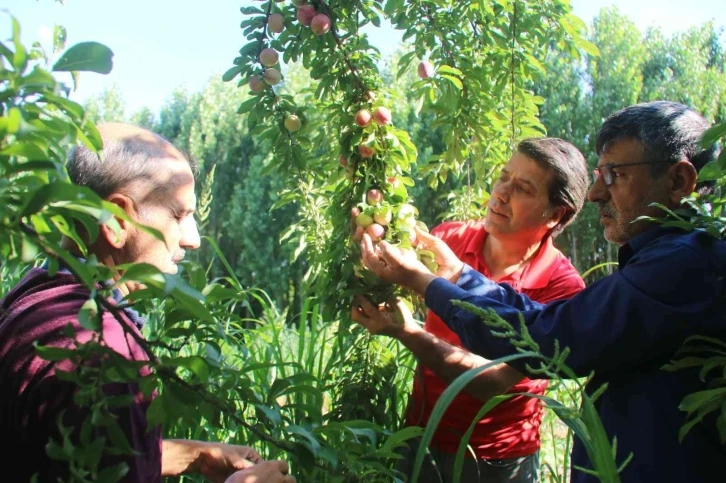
x,y
711,171
53,354
247,105
231,73
88,315
694,401
86,56
713,134
113,474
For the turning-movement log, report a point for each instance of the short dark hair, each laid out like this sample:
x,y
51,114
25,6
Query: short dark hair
x,y
568,187
120,162
668,131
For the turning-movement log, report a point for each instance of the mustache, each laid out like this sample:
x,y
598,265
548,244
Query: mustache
x,y
606,210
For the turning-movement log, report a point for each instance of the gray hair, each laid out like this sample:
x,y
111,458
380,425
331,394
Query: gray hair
x,y
121,162
668,131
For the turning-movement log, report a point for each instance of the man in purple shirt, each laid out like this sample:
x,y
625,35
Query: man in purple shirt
x,y
153,183
624,327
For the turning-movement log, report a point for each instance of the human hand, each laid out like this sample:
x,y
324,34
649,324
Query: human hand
x,y
217,461
449,265
275,471
387,319
393,265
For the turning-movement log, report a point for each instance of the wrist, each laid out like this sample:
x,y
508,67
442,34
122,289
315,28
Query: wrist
x,y
420,282
456,273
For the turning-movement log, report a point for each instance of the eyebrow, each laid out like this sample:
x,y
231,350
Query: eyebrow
x,y
522,180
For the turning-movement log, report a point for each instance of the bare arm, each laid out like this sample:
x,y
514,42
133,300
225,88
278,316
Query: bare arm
x,y
445,360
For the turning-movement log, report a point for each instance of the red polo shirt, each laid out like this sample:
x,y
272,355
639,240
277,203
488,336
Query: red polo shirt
x,y
510,429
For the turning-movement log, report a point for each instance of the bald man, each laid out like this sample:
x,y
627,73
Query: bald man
x,y
153,183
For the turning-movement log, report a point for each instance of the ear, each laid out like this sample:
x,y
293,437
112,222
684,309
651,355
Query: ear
x,y
114,239
554,217
683,177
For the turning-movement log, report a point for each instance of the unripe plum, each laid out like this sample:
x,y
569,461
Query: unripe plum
x,y
408,222
406,211
374,197
292,123
363,117
276,23
272,76
350,173
363,220
320,24
257,85
425,69
375,231
365,151
382,116
268,57
382,215
305,14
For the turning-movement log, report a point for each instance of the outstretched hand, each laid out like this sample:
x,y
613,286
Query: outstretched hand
x,y
449,265
217,461
387,319
393,265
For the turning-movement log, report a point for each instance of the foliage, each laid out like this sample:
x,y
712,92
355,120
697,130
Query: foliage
x,y
490,55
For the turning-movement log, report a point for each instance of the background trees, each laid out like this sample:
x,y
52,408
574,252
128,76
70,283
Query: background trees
x,y
577,94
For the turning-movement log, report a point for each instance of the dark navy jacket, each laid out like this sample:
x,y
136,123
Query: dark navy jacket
x,y
624,327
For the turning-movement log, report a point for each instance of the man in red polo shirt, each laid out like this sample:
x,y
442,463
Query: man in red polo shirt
x,y
539,192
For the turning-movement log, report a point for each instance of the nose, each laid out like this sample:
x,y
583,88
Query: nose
x,y
502,191
190,239
598,192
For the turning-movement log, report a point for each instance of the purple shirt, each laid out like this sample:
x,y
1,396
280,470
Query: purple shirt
x,y
32,396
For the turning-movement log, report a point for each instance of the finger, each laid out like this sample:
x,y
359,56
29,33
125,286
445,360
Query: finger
x,y
253,456
403,308
282,466
366,306
357,315
368,254
425,236
390,254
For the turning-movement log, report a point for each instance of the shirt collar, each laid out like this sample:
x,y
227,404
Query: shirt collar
x,y
117,295
537,273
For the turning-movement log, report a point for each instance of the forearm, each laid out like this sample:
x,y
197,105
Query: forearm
x,y
448,362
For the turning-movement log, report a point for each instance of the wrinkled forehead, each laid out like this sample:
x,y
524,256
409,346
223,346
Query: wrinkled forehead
x,y
621,150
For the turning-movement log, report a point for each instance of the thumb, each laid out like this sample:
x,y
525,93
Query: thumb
x,y
426,237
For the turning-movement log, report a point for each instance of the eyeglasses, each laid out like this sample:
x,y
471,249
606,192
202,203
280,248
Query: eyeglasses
x,y
606,170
